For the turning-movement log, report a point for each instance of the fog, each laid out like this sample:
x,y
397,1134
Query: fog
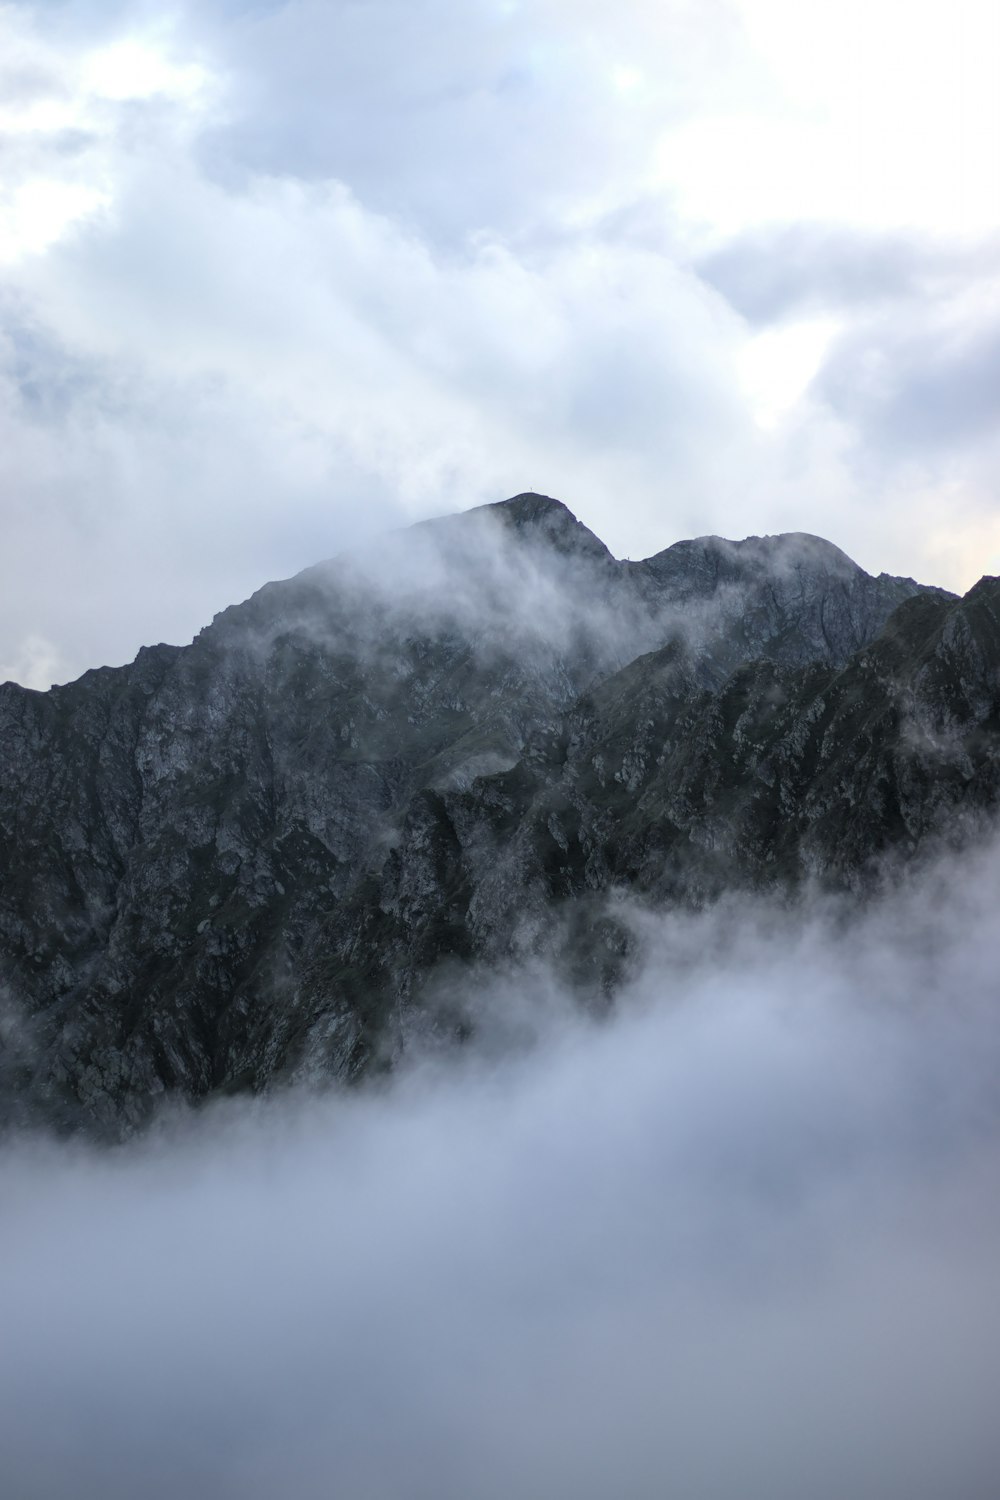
x,y
742,1238
517,602
544,592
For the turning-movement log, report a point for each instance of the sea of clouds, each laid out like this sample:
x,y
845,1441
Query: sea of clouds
x,y
739,1239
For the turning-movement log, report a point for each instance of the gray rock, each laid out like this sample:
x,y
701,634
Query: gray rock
x,y
256,858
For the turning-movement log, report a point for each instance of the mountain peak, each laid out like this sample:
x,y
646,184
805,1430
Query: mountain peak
x,y
755,554
528,507
541,517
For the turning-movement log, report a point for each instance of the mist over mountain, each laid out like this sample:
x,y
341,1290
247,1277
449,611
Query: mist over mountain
x,y
738,1240
287,850
492,1019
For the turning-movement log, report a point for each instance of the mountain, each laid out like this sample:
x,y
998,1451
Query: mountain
x,y
268,855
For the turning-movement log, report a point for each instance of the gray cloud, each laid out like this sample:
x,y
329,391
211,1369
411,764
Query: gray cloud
x,y
739,1241
506,122
910,390
804,269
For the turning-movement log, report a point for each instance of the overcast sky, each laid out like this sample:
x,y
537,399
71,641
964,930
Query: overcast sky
x,y
275,277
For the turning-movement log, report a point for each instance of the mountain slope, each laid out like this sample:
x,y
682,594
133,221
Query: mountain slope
x,y
245,859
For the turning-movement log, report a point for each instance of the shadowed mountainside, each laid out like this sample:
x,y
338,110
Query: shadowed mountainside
x,y
261,856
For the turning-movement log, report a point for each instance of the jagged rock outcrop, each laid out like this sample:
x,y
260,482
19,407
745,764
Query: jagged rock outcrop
x,y
243,860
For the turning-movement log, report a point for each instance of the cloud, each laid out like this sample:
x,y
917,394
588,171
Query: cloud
x,y
741,1239
278,276
798,269
894,133
511,123
933,388
36,664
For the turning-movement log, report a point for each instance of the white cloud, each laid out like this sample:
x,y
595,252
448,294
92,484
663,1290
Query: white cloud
x,y
885,117
138,68
270,286
39,212
35,664
742,1239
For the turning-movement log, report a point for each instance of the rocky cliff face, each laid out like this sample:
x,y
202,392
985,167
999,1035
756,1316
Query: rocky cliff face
x,y
258,856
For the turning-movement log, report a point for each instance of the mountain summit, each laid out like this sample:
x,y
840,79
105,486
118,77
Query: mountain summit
x,y
268,854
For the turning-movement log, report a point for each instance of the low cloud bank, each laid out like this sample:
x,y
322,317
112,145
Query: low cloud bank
x,y
740,1240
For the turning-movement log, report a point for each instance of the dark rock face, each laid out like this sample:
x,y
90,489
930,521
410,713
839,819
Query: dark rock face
x,y
245,860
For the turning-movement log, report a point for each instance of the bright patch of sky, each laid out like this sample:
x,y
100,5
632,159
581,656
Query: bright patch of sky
x,y
874,114
777,365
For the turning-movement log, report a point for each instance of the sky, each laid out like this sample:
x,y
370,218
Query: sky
x,y
278,277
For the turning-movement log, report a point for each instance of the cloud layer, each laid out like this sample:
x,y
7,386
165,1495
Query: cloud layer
x,y
740,1240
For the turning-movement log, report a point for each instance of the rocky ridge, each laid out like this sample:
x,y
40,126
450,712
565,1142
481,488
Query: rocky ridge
x,y
259,856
